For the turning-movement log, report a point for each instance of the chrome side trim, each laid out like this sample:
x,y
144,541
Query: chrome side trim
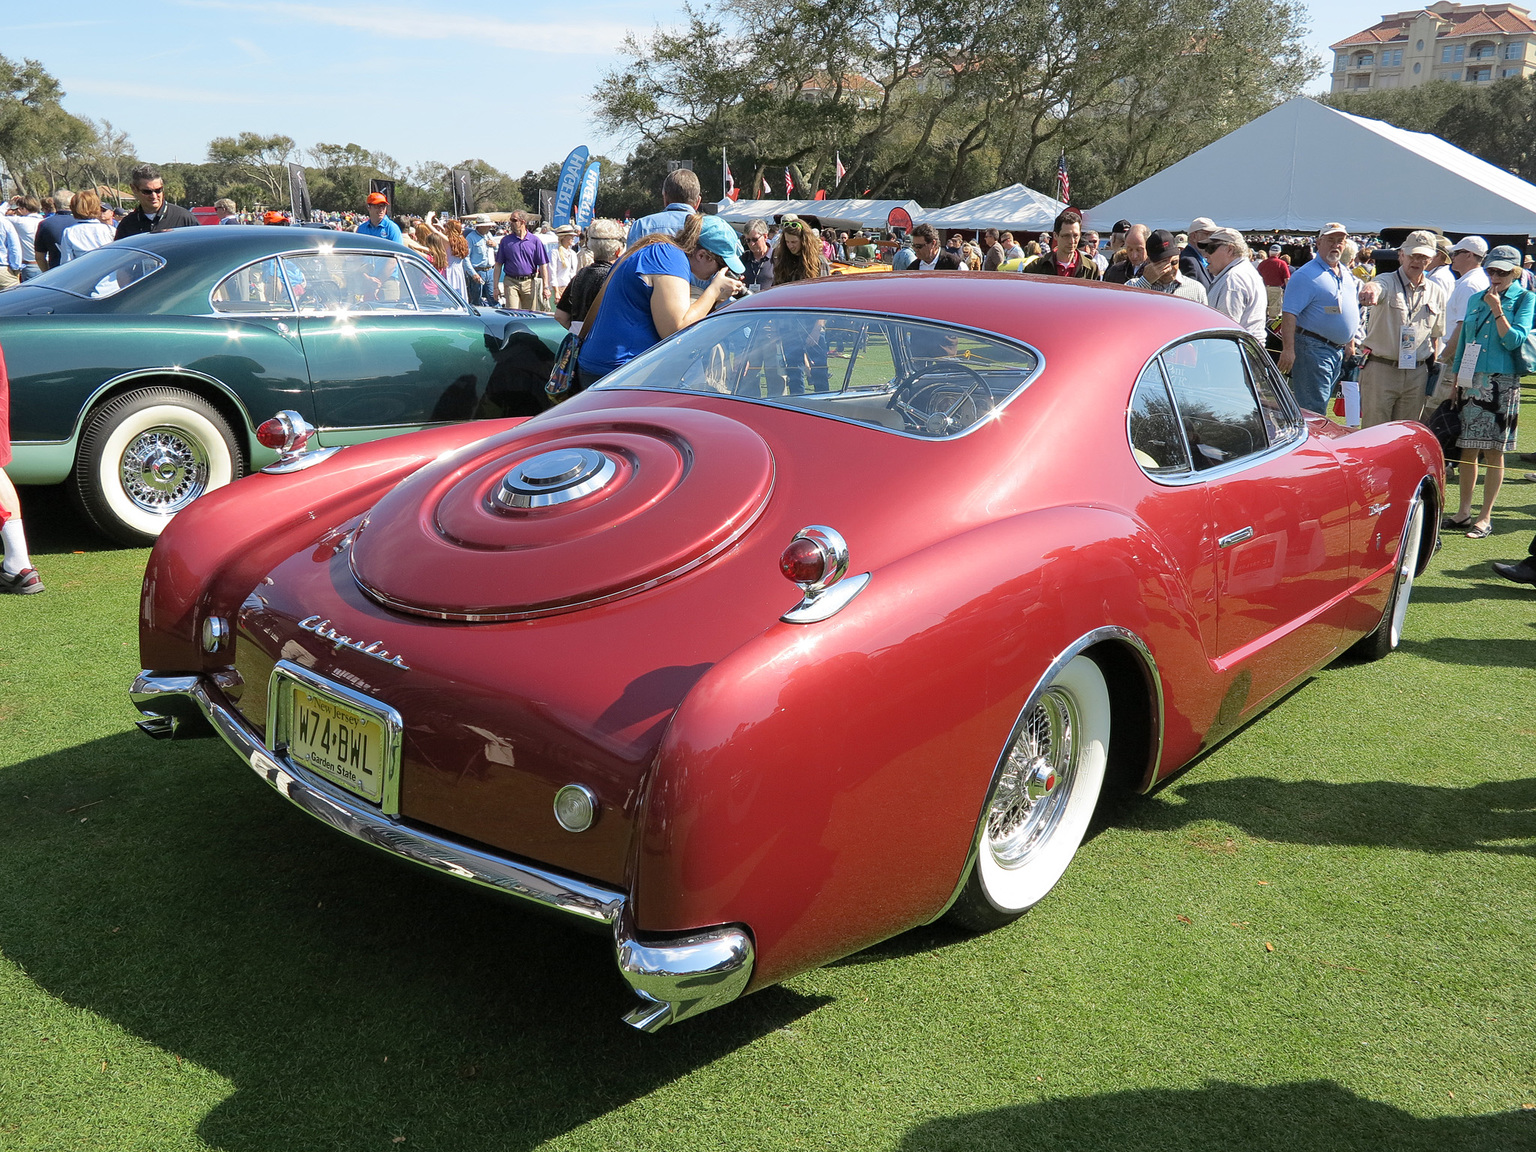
x,y
674,978
1076,648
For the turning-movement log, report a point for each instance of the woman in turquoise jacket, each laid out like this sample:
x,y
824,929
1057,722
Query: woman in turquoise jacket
x,y
1498,323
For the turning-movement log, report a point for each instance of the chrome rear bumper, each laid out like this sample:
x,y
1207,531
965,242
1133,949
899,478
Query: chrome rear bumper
x,y
675,978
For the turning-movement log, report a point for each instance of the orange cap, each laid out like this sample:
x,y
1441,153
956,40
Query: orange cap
x,y
377,198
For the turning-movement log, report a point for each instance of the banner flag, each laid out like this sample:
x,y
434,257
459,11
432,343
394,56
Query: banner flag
x,y
459,178
588,201
569,186
298,194
841,171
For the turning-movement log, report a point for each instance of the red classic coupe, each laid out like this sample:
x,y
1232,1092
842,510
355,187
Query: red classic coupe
x,y
1041,540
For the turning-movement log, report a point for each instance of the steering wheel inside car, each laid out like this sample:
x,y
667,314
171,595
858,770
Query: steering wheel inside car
x,y
923,411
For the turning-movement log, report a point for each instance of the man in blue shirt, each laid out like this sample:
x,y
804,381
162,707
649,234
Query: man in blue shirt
x,y
480,260
46,243
377,223
680,193
1318,318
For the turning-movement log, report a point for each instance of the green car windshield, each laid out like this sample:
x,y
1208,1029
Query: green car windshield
x,y
915,377
101,273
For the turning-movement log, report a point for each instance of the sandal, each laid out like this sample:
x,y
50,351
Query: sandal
x,y
1450,523
1478,532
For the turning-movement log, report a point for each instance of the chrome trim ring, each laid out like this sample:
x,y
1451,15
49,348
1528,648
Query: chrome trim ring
x,y
552,478
163,469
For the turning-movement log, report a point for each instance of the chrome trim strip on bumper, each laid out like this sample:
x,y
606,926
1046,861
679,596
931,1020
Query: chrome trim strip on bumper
x,y
675,979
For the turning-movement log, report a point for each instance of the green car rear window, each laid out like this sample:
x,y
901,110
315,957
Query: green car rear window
x,y
102,273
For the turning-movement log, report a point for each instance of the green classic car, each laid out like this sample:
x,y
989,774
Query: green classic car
x,y
140,371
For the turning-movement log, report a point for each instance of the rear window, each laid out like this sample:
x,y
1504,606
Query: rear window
x,y
102,273
916,377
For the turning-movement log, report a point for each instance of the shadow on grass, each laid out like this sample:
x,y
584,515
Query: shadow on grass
x,y
1478,653
55,525
1220,1117
1483,818
349,998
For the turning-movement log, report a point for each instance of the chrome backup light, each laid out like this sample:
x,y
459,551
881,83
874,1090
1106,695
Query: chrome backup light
x,y
215,633
575,808
289,434
817,560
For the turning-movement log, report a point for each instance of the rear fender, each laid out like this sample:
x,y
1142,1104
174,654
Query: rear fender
x,y
213,554
822,784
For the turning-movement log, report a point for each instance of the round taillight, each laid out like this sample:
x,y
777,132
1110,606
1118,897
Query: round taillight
x,y
273,434
803,561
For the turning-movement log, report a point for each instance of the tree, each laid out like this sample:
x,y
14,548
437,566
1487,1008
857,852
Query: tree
x,y
940,99
39,142
261,161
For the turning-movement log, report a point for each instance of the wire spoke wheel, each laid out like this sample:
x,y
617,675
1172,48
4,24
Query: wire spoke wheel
x,y
1045,789
164,469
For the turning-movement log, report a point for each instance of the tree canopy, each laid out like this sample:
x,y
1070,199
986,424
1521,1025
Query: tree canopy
x,y
941,99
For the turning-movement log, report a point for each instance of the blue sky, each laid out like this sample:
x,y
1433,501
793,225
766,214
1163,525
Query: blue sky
x,y
421,81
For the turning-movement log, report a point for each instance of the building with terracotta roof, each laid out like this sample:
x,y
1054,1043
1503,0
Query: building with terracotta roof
x,y
1467,43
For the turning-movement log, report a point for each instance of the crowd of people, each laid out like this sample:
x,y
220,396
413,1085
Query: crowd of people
x,y
1396,334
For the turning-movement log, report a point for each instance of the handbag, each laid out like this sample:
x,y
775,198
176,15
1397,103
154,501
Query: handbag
x,y
1446,425
565,372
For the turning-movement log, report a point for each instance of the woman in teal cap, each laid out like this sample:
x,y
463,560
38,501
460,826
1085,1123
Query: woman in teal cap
x,y
646,297
1496,325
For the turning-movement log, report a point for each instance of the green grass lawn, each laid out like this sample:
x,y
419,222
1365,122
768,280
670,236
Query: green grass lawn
x,y
1322,936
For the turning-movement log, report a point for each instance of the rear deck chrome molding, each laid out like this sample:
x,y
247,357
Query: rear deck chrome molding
x,y
675,978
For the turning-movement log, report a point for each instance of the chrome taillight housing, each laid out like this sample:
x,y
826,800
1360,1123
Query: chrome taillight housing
x,y
817,560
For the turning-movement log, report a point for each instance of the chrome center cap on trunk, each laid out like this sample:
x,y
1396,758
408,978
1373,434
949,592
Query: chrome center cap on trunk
x,y
554,478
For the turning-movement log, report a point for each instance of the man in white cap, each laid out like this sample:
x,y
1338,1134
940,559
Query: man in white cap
x,y
1318,317
1191,262
1236,288
1467,262
1406,327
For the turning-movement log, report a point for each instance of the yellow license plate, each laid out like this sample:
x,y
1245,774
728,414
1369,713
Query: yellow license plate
x,y
341,743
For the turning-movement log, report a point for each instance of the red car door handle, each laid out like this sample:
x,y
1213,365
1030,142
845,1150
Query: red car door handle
x,y
1237,537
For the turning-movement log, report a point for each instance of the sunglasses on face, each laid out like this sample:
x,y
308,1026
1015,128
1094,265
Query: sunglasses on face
x,y
1209,247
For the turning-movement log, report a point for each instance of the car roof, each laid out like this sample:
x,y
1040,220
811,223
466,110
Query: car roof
x,y
248,241
1076,323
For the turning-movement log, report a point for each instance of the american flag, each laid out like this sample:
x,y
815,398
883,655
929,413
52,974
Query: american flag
x,y
1063,181
789,184
841,171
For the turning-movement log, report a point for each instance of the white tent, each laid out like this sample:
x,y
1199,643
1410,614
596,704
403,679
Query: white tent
x,y
831,213
1303,165
1016,208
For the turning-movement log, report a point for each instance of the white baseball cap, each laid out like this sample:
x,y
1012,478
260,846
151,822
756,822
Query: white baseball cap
x,y
1473,244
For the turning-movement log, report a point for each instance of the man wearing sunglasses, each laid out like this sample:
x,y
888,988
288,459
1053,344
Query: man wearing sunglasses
x,y
930,257
153,213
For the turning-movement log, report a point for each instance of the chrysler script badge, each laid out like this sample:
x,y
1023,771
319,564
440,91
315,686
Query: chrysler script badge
x,y
322,628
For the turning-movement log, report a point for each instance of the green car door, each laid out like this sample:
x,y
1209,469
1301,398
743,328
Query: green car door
x,y
390,348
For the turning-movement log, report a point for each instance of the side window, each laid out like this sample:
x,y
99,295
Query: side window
x,y
1282,420
432,294
347,282
1156,441
1218,409
257,287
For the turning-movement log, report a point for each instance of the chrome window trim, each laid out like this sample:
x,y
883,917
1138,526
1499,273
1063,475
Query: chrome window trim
x,y
282,272
991,417
116,246
1065,657
1273,452
462,308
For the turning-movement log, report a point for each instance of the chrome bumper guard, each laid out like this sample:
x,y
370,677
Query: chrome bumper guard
x,y
675,978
